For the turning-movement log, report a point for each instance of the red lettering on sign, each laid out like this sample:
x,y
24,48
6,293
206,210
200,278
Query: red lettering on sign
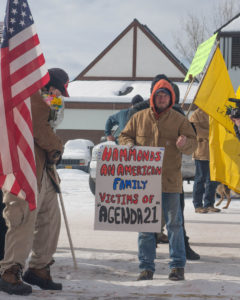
x,y
123,155
107,152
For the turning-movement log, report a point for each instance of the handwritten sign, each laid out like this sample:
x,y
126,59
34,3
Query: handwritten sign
x,y
128,188
201,57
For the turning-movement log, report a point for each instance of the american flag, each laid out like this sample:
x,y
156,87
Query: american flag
x,y
22,73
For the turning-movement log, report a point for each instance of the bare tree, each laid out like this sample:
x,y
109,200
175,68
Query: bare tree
x,y
196,29
224,12
193,32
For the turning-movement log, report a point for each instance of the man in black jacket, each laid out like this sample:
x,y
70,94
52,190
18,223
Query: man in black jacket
x,y
190,254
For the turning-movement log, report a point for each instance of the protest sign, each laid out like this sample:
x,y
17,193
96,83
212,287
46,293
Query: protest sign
x,y
128,188
201,57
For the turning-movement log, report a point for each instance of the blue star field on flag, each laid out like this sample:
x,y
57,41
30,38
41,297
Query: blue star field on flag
x,y
18,17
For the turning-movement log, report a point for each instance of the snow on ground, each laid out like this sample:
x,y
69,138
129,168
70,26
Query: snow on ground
x,y
107,261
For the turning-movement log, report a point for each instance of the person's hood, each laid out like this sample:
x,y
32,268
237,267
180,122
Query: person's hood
x,y
161,84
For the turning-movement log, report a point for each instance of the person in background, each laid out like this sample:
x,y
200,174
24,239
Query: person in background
x,y
36,231
120,119
161,126
203,189
160,236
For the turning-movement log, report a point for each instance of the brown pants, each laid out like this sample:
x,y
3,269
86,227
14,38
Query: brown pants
x,y
36,230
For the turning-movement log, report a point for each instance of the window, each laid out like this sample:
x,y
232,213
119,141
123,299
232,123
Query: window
x,y
236,52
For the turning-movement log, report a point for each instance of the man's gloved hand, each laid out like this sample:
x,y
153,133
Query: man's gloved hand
x,y
54,157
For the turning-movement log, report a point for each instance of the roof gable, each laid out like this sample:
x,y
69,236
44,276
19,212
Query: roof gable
x,y
136,54
232,25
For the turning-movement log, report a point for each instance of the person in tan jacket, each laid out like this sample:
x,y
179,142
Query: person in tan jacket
x,y
35,231
203,189
161,126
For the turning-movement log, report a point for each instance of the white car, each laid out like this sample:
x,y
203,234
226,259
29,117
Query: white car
x,y
93,164
77,155
188,166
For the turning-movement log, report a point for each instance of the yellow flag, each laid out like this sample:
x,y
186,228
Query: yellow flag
x,y
238,93
214,91
224,150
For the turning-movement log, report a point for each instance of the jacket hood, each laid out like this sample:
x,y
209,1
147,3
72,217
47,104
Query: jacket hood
x,y
161,84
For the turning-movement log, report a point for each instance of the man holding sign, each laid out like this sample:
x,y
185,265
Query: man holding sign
x,y
161,126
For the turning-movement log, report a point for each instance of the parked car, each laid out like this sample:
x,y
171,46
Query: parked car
x,y
188,166
77,155
93,164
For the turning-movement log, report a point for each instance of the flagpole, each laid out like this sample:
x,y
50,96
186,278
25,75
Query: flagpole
x,y
65,218
217,44
188,89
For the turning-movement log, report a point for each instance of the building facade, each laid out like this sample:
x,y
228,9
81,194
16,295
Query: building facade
x,y
229,38
123,69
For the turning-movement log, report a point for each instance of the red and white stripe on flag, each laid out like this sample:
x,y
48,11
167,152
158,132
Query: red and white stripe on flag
x,y
22,73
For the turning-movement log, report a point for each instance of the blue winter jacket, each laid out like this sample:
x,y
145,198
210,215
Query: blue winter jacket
x,y
120,119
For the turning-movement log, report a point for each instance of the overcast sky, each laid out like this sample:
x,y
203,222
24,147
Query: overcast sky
x,y
73,32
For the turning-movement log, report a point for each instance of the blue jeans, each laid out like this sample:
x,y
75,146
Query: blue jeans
x,y
203,185
147,241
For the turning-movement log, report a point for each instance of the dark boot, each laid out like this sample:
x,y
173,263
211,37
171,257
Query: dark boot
x,y
190,254
161,238
176,274
145,275
41,278
11,282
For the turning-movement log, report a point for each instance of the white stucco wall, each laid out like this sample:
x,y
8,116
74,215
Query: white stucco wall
x,y
151,61
118,61
85,119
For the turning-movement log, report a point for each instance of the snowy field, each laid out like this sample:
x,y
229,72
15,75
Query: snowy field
x,y
107,261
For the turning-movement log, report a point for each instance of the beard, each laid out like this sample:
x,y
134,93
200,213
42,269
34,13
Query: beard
x,y
160,109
